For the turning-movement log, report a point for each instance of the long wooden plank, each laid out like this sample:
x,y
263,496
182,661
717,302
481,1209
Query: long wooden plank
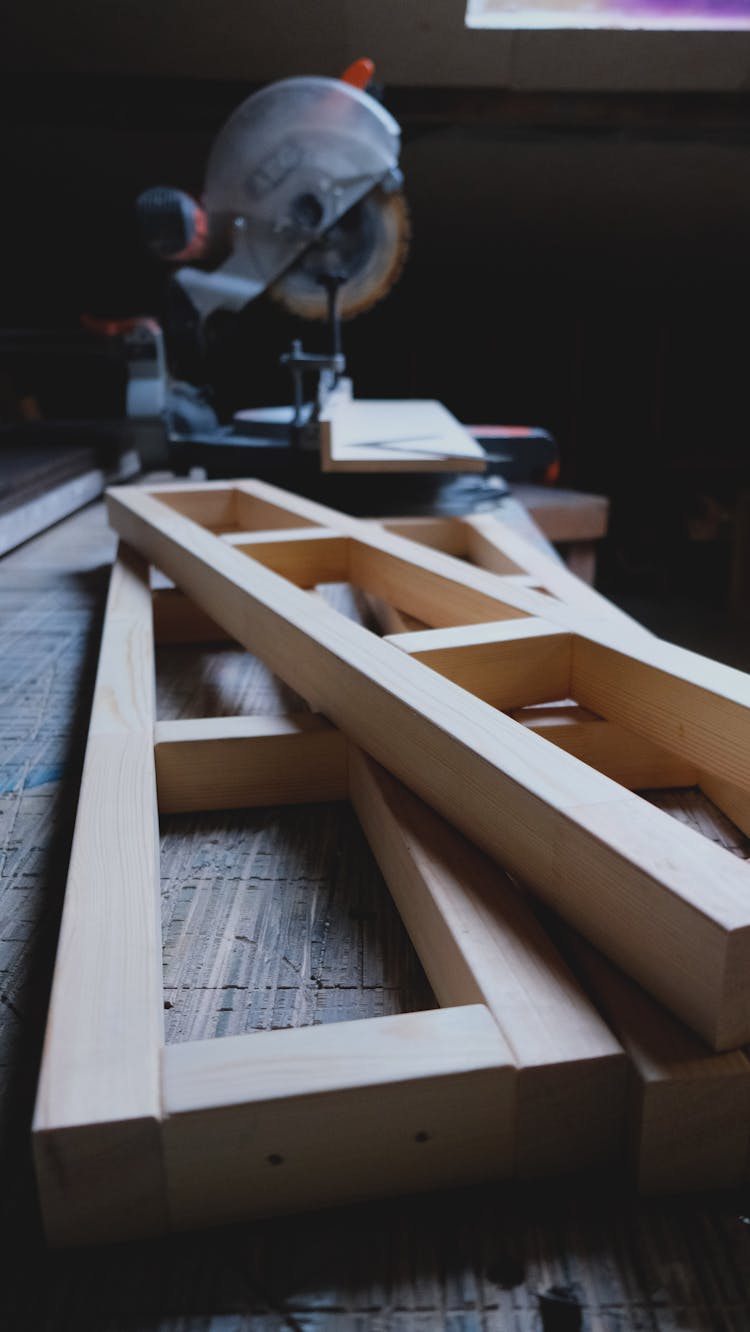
x,y
286,1120
479,942
671,908
98,1104
234,762
689,1112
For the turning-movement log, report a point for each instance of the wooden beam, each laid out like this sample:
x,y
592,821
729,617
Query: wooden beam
x,y
732,800
508,664
429,596
95,1132
689,1111
282,1121
446,534
216,510
629,759
479,942
236,762
692,706
667,905
306,556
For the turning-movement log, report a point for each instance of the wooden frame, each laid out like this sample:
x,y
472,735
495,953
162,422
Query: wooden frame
x,y
664,903
688,1109
516,1074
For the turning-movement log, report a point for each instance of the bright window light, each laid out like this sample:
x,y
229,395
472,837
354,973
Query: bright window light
x,y
665,15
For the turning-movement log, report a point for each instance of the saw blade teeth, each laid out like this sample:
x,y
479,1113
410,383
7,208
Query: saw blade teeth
x,y
297,292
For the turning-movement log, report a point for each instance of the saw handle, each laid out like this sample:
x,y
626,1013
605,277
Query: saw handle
x,y
359,73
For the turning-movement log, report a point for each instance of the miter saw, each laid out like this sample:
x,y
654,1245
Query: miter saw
x,y
303,202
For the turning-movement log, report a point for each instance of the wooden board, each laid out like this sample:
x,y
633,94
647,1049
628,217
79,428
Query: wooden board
x,y
689,1115
671,908
282,1120
99,1098
376,435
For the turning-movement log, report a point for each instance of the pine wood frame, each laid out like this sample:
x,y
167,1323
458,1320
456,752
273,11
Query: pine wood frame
x,y
515,1074
665,904
131,1137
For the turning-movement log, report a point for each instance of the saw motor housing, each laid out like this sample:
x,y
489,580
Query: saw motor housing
x,y
301,187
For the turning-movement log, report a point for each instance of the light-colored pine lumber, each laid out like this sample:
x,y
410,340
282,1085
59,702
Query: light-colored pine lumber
x,y
437,599
220,512
732,800
386,617
629,759
230,509
286,1120
692,706
98,1102
507,664
446,534
233,762
423,435
689,1108
479,942
310,556
491,543
671,908
633,762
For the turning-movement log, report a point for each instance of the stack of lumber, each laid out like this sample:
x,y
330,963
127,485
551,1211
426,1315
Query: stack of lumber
x,y
589,953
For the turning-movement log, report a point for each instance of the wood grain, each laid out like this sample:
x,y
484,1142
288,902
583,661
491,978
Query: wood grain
x,y
286,1120
480,942
670,908
241,762
689,1109
98,1102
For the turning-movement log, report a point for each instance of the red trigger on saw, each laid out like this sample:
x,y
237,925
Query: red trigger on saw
x,y
359,73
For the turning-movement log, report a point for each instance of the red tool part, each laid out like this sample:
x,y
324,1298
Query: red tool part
x,y
359,73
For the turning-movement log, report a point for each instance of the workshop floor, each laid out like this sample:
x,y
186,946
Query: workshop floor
x,y
302,930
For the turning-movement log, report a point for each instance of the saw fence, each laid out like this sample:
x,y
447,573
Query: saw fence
x,y
510,699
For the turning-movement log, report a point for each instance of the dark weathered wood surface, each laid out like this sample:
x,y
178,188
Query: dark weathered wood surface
x,y
276,918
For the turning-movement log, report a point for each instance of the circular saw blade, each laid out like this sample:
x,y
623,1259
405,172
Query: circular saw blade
x,y
367,246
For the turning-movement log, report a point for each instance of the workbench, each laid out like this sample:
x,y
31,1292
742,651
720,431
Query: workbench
x,y
276,918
